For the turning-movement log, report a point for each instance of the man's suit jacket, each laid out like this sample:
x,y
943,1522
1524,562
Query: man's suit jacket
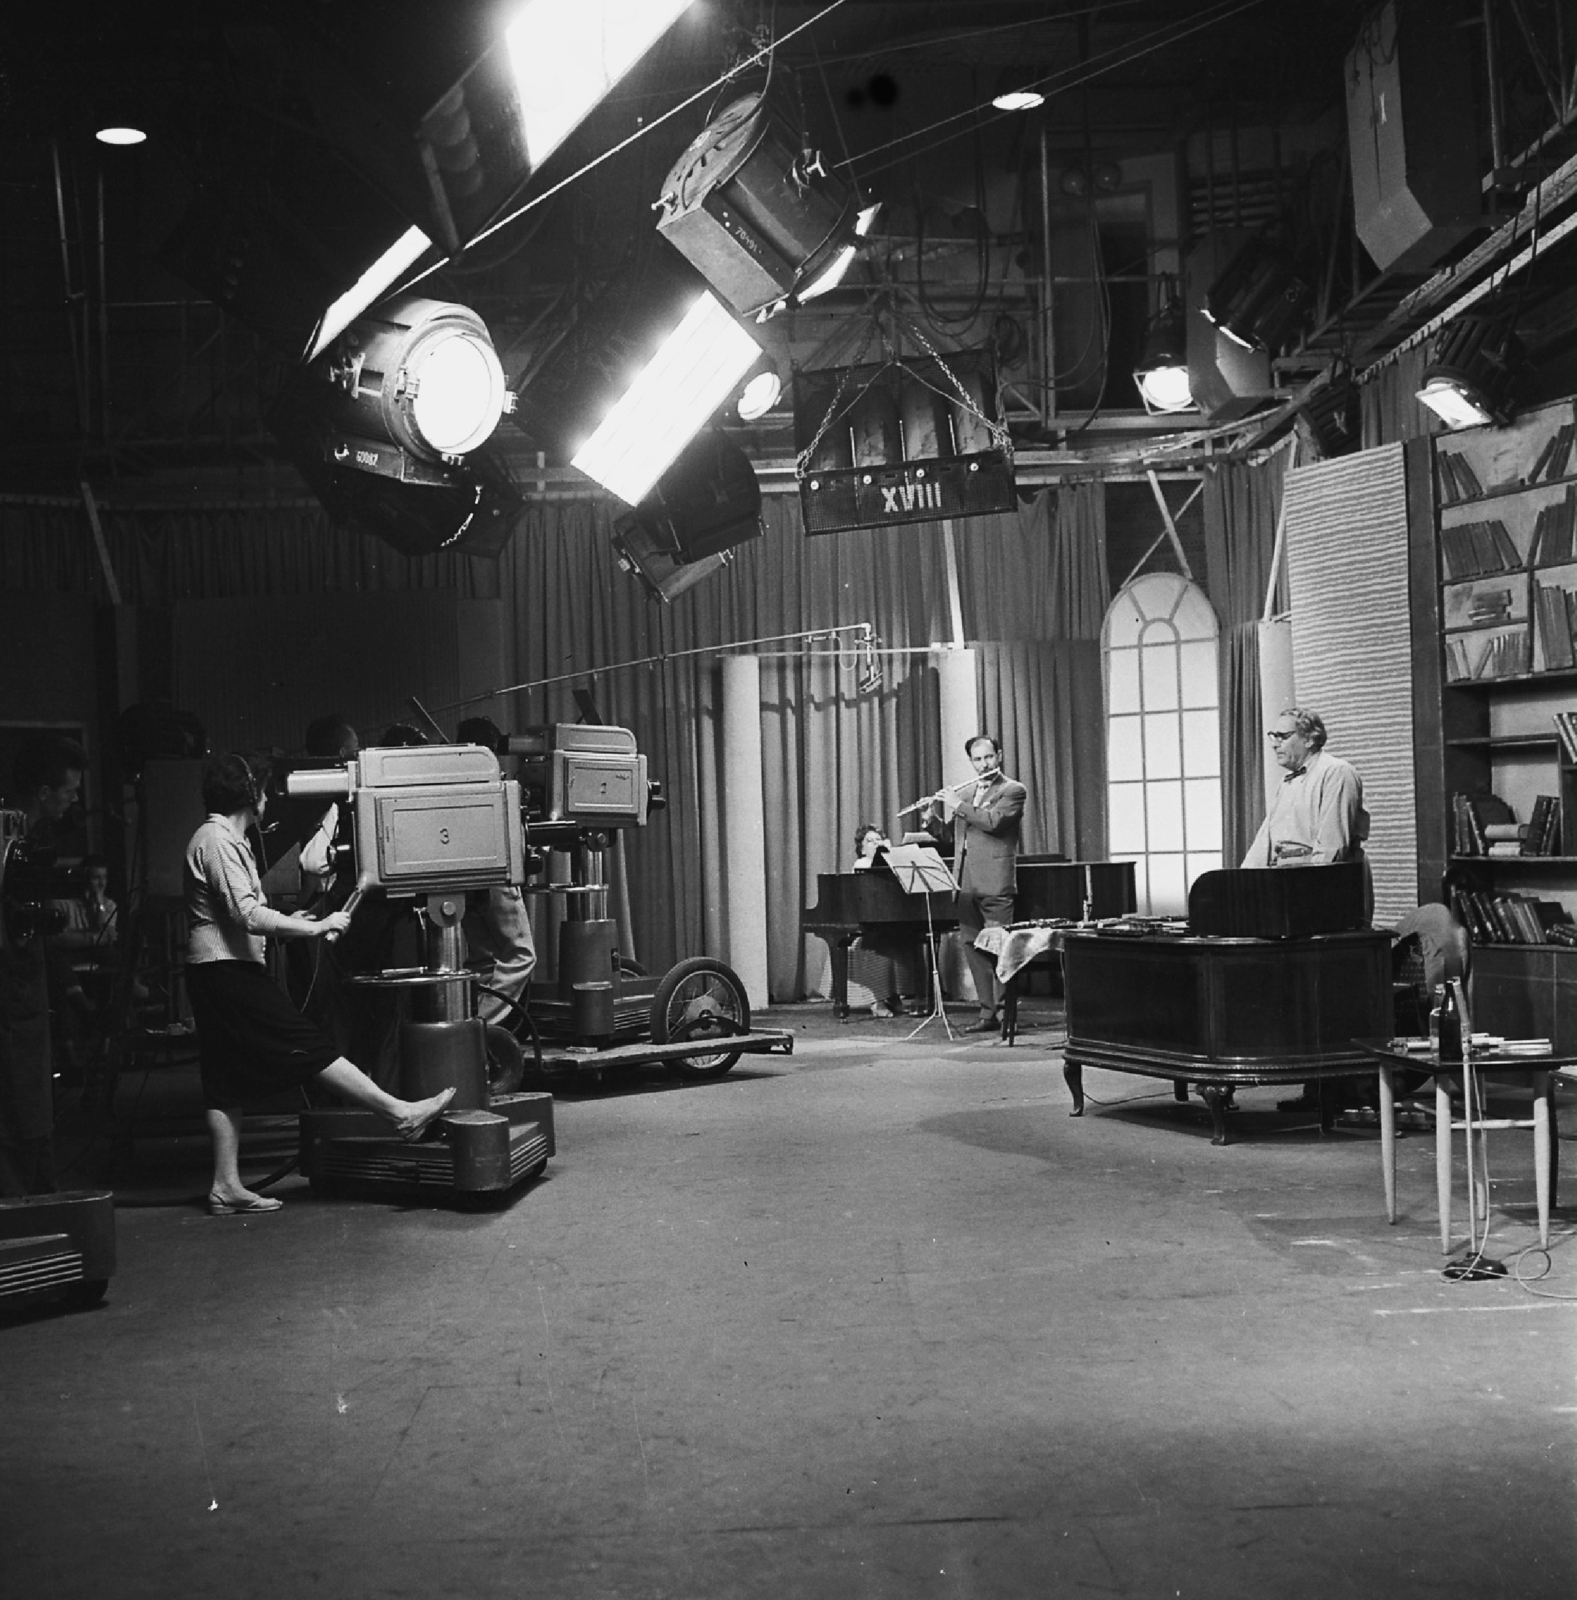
x,y
985,838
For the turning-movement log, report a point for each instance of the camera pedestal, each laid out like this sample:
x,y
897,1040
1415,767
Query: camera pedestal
x,y
483,1146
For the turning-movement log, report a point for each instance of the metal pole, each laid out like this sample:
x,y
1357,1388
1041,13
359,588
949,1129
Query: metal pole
x,y
1049,332
1497,133
71,315
104,323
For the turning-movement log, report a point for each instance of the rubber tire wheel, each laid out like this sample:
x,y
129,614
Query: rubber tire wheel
x,y
678,1012
506,1063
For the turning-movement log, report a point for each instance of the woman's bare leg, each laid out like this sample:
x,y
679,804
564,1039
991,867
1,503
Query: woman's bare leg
x,y
224,1129
409,1117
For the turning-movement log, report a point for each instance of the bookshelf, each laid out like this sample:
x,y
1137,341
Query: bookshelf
x,y
1502,594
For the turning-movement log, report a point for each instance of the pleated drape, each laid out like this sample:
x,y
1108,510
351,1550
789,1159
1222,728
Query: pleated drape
x,y
1389,409
1241,504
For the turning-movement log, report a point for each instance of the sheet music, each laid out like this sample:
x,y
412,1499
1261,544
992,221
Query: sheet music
x,y
919,869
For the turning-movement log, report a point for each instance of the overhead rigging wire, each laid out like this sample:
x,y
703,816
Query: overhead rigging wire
x,y
1122,56
624,144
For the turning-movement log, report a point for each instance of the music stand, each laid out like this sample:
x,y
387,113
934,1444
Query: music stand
x,y
920,870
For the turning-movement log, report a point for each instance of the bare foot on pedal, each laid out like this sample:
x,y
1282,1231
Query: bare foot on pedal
x,y
419,1115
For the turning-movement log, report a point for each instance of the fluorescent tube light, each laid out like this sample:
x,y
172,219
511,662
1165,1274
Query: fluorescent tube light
x,y
698,366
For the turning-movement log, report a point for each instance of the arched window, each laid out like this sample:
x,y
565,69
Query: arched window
x,y
1163,738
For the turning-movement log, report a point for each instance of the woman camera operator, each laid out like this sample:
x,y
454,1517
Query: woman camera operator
x,y
252,1041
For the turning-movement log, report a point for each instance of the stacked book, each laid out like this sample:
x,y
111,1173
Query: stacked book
x,y
1455,479
1497,918
1471,549
1484,825
1553,532
1505,656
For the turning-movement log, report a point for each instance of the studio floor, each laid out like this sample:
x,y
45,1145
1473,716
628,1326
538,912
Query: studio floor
x,y
877,1319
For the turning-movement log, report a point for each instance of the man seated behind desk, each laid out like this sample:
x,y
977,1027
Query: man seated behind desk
x,y
984,832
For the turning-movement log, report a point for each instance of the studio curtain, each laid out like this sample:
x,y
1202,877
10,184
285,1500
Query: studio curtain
x,y
1242,501
1389,408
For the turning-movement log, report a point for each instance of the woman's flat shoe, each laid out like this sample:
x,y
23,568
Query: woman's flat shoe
x,y
218,1206
435,1110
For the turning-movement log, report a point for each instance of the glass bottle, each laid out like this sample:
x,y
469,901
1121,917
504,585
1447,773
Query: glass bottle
x,y
1449,1043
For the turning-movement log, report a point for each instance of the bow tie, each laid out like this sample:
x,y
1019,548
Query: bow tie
x,y
1297,772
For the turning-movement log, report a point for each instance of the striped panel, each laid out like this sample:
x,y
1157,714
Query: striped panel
x,y
1351,654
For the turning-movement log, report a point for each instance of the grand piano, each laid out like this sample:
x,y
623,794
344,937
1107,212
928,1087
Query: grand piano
x,y
1274,977
850,903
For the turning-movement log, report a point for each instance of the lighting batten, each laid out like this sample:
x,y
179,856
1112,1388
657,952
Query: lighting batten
x,y
697,367
567,54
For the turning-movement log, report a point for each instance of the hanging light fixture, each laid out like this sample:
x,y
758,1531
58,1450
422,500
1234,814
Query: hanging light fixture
x,y
694,371
1162,373
1258,300
1470,382
758,213
704,505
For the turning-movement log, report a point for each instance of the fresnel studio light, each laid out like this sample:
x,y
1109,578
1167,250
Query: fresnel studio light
x,y
387,428
410,389
758,214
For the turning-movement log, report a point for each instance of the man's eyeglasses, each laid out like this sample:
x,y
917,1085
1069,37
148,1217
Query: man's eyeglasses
x,y
1277,735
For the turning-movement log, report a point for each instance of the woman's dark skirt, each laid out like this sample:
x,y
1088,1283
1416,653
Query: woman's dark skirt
x,y
251,1041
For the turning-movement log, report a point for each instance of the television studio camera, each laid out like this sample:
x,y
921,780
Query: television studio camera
x,y
432,823
27,884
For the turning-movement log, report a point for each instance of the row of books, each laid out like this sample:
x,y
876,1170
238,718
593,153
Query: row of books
x,y
1506,655
1471,549
1557,613
1484,825
1455,480
1497,918
1566,730
1553,532
1554,459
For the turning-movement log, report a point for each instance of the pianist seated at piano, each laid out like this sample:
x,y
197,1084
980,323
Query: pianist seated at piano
x,y
888,962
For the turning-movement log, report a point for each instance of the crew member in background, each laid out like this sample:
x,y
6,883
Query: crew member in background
x,y
983,827
46,780
91,922
497,927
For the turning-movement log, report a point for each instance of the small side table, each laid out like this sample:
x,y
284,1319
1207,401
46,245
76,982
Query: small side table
x,y
1538,1069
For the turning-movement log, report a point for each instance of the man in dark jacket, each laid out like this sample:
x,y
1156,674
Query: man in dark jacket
x,y
984,824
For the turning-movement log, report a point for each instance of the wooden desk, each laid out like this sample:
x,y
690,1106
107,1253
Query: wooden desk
x,y
1222,1012
1539,1070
